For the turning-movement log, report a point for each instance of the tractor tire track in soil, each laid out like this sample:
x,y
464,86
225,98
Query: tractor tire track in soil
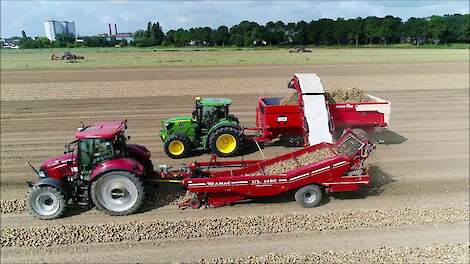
x,y
416,209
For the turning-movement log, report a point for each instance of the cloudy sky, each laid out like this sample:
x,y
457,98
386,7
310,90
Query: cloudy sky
x,y
92,17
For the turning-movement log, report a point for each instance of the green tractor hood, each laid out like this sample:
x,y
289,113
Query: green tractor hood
x,y
170,123
177,119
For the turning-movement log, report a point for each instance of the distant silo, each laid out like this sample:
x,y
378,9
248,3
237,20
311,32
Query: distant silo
x,y
69,27
53,28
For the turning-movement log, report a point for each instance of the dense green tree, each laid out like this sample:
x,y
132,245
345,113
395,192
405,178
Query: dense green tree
x,y
170,38
370,30
237,40
355,29
416,29
301,36
151,37
439,29
95,41
221,36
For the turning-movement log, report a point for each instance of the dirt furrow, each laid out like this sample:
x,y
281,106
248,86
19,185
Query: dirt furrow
x,y
197,228
440,253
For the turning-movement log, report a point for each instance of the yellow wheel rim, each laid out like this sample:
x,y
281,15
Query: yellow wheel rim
x,y
226,143
176,147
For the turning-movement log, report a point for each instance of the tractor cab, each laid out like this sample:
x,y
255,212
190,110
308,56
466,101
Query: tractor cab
x,y
97,143
208,111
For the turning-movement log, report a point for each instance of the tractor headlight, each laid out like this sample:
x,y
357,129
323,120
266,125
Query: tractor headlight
x,y
41,174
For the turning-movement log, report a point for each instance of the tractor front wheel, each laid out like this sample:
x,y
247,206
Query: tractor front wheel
x,y
46,202
177,146
225,141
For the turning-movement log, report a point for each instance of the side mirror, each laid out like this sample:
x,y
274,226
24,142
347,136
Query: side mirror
x,y
67,149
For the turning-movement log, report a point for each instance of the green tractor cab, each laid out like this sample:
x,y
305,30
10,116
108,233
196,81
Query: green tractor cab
x,y
210,127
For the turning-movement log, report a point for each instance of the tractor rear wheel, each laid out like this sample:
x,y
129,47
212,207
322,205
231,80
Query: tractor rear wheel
x,y
46,202
177,146
117,193
225,141
309,196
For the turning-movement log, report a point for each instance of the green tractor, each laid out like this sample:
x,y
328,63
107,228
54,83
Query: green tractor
x,y
211,127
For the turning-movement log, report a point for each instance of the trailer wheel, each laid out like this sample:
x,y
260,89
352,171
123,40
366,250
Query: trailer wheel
x,y
46,202
309,196
118,193
177,146
225,141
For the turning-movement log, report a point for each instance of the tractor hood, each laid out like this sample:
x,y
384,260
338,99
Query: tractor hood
x,y
167,124
138,151
173,124
176,119
55,167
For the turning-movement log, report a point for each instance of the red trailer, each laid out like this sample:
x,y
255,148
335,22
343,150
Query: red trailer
x,y
313,120
340,169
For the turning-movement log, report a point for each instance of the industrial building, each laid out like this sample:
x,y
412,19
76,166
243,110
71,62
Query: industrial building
x,y
53,28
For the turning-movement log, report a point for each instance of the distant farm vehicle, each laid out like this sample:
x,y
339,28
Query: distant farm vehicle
x,y
300,50
211,127
99,168
67,56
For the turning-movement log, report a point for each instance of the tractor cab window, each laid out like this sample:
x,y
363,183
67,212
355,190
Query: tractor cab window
x,y
212,114
93,151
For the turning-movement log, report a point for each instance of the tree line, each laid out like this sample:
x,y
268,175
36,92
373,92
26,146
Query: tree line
x,y
371,30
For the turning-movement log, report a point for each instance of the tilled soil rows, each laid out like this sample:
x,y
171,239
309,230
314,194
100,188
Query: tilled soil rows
x,y
413,191
198,228
440,253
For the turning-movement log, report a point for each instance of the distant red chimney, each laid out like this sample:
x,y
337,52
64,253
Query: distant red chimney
x,y
115,29
110,33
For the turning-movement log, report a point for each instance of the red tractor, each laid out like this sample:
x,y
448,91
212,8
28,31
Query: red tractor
x,y
100,165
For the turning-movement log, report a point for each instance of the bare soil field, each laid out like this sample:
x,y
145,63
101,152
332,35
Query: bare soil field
x,y
416,209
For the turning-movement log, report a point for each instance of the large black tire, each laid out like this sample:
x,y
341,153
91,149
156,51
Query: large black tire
x,y
122,200
219,146
309,196
46,202
172,143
